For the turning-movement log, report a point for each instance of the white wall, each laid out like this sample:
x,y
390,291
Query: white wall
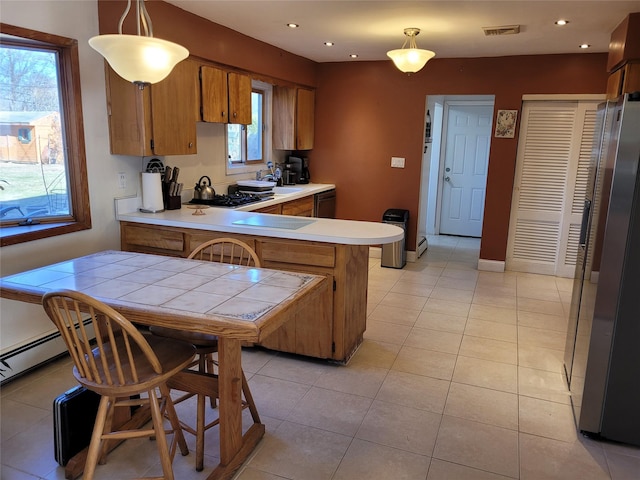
x,y
77,20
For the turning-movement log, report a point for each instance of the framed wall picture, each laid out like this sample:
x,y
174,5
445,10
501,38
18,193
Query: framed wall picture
x,y
506,123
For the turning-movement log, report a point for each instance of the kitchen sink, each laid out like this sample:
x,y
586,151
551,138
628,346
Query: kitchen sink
x,y
286,190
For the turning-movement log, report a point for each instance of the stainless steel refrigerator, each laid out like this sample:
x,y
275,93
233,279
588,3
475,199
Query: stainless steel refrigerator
x,y
602,355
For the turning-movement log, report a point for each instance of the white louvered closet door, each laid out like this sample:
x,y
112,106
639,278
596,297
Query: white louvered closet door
x,y
552,168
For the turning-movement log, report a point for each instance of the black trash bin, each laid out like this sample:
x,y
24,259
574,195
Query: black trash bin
x,y
394,254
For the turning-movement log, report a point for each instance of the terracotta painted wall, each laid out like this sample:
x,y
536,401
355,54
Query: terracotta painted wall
x,y
367,112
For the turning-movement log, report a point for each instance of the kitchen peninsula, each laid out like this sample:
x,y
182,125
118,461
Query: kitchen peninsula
x,y
330,327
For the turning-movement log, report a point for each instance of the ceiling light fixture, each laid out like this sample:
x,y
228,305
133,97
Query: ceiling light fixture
x,y
585,45
329,44
140,59
354,55
412,59
562,22
292,25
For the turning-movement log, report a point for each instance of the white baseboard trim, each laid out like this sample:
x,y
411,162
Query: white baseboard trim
x,y
490,265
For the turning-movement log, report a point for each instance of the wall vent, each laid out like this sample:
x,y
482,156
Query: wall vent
x,y
503,30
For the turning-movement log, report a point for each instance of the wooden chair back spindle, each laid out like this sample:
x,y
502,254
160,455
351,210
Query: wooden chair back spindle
x,y
117,341
226,250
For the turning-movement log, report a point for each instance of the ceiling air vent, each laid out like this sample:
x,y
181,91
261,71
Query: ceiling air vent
x,y
503,30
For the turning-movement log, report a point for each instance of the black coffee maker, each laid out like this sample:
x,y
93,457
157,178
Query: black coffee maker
x,y
305,176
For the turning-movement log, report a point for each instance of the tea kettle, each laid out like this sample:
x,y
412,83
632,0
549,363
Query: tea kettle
x,y
203,191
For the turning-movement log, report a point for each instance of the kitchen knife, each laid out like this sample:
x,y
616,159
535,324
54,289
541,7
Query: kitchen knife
x,y
174,176
167,174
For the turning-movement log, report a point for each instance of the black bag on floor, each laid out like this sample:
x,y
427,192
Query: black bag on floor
x,y
74,413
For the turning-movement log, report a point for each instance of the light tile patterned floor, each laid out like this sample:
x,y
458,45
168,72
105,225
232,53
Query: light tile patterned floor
x,y
459,377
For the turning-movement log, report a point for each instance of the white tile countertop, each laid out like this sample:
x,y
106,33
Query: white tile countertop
x,y
243,221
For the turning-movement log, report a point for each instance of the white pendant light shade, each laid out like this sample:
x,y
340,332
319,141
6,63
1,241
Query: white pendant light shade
x,y
139,59
412,59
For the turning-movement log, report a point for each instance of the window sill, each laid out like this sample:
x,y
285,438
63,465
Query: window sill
x,y
12,235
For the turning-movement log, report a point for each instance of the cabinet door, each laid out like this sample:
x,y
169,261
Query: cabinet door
x,y
175,110
274,209
284,100
239,98
129,115
305,109
631,77
215,99
302,207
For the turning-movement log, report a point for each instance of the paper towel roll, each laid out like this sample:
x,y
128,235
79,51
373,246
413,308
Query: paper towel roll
x,y
152,192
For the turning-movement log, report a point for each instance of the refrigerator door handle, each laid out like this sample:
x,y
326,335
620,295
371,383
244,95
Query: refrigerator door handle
x,y
585,222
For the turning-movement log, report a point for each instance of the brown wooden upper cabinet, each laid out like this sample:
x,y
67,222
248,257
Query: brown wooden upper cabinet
x,y
226,96
625,79
293,113
158,120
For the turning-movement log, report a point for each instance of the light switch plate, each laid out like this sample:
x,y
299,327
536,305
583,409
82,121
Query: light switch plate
x,y
397,162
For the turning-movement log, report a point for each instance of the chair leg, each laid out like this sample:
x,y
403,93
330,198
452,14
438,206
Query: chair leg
x,y
108,427
249,398
200,422
161,439
173,419
96,439
210,366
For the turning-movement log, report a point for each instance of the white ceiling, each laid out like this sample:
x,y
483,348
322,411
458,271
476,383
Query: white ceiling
x,y
450,28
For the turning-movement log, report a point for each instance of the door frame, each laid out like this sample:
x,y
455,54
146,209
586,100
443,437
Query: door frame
x,y
433,158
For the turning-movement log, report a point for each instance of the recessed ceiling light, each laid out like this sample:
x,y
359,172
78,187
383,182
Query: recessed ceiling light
x,y
562,22
292,25
585,45
329,44
354,55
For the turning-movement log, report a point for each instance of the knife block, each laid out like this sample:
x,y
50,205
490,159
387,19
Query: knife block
x,y
171,202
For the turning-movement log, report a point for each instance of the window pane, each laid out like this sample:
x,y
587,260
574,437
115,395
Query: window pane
x,y
254,131
234,143
33,167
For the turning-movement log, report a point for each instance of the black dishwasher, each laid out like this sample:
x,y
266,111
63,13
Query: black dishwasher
x,y
325,204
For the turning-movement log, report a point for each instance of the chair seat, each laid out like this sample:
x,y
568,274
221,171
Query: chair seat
x,y
174,356
199,340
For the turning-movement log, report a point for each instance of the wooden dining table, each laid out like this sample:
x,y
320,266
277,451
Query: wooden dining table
x,y
236,303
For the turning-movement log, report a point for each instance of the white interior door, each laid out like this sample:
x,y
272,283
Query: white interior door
x,y
464,173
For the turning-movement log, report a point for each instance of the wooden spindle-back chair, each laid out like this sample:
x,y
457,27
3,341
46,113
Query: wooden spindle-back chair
x,y
121,363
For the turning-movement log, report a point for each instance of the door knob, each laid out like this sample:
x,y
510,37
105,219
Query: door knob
x,y
447,169
447,179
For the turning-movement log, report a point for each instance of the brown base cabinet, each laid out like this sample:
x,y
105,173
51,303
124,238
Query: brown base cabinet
x,y
302,207
331,327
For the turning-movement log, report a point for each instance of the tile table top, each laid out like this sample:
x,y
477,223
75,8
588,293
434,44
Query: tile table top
x,y
218,298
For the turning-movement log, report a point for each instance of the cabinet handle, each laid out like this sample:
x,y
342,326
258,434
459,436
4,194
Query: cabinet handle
x,y
235,114
190,144
222,114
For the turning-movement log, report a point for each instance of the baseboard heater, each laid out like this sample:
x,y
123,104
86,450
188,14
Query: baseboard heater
x,y
422,246
27,357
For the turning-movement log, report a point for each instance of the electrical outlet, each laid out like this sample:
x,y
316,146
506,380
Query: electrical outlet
x,y
122,180
397,162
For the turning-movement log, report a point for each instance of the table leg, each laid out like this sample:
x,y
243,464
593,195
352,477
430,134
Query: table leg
x,y
230,388
234,447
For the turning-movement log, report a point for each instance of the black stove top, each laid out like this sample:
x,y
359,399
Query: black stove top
x,y
231,201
